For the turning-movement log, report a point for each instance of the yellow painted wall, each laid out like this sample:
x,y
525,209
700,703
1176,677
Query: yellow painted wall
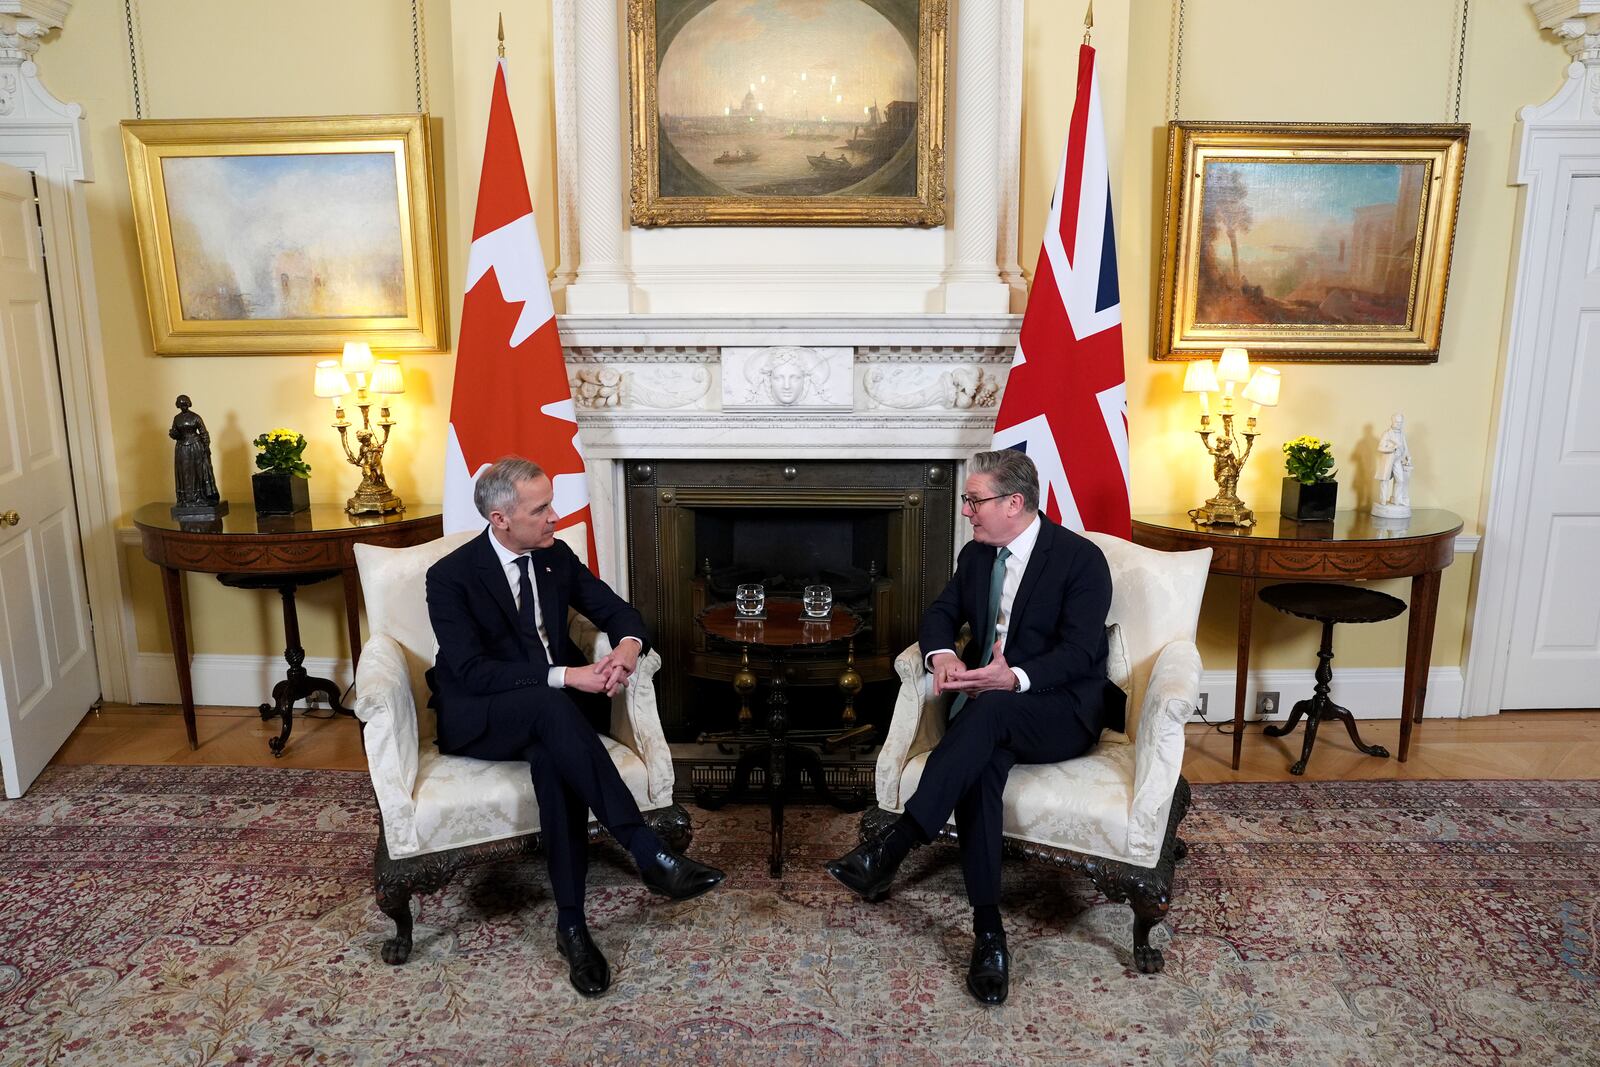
x,y
1297,60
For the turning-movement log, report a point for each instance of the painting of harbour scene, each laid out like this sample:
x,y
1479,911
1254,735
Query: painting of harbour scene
x,y
1309,242
789,98
761,112
274,237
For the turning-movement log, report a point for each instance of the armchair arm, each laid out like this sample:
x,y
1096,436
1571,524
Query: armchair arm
x,y
388,712
916,726
635,717
1169,699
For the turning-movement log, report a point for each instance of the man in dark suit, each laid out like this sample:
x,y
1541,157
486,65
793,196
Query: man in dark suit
x,y
1030,688
503,687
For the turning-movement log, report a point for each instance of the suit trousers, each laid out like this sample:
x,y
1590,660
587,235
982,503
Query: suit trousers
x,y
966,773
572,776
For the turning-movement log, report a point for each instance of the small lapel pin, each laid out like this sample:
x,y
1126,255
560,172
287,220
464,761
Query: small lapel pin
x,y
547,570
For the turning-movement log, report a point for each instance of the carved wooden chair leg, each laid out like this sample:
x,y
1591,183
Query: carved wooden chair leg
x,y
1148,912
395,902
672,825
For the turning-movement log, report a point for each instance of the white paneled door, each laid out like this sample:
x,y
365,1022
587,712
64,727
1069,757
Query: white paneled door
x,y
48,677
1555,634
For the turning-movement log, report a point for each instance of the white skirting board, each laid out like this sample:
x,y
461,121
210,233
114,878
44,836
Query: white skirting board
x,y
226,681
1369,692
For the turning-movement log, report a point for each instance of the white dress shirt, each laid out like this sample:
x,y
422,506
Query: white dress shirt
x,y
1021,547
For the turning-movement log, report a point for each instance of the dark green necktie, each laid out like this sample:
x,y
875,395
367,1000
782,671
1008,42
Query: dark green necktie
x,y
997,581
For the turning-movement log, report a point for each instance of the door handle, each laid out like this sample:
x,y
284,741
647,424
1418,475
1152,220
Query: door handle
x,y
9,518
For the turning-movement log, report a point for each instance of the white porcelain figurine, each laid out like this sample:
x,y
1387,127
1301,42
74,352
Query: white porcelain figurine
x,y
1394,471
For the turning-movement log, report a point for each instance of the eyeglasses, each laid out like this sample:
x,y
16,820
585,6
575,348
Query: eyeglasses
x,y
973,502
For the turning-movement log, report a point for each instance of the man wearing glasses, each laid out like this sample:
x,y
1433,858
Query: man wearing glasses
x,y
1030,687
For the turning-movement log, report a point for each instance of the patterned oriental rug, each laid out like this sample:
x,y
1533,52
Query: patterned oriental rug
x,y
224,915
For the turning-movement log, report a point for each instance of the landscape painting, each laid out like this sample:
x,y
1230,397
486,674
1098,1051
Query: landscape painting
x,y
286,235
1316,244
1308,241
764,111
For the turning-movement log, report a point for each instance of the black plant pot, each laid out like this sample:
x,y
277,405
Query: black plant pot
x,y
1309,503
280,494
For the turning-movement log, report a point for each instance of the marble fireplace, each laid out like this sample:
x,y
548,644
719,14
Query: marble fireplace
x,y
790,446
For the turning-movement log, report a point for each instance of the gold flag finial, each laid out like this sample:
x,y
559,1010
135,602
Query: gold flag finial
x,y
502,45
1088,22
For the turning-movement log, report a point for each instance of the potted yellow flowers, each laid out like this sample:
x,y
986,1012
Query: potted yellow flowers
x,y
280,488
1309,491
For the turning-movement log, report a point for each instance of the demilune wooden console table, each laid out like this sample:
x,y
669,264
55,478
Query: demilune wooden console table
x,y
271,551
1355,546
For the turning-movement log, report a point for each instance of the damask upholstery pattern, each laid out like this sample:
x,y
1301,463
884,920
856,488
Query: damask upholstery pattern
x,y
431,802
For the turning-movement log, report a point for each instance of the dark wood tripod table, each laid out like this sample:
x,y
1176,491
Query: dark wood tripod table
x,y
783,629
283,552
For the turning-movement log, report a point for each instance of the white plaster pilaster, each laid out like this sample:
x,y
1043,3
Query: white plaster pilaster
x,y
603,284
972,282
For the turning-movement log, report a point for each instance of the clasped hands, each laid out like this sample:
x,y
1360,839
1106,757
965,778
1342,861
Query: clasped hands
x,y
950,675
609,674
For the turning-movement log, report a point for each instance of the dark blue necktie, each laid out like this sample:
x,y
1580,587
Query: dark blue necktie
x,y
525,614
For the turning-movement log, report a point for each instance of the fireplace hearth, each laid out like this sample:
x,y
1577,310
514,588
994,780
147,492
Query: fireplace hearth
x,y
879,532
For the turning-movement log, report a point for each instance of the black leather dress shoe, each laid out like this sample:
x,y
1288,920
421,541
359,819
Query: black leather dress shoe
x,y
678,877
989,973
866,869
586,964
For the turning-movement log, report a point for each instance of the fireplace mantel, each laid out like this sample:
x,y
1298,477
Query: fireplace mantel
x,y
902,387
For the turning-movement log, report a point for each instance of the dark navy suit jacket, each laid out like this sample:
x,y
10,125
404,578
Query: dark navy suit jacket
x,y
1057,629
484,656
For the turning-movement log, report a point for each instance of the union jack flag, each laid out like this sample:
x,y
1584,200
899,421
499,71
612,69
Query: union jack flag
x,y
1066,399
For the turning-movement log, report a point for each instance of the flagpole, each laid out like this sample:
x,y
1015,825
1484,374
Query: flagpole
x,y
1088,22
502,45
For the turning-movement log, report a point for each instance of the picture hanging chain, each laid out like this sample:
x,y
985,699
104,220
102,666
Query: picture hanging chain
x,y
1461,59
1177,61
419,61
133,59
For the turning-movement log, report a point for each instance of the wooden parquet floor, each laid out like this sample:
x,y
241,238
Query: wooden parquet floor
x,y
1520,744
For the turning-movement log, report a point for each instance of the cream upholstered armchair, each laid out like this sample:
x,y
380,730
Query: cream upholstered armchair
x,y
1112,813
440,813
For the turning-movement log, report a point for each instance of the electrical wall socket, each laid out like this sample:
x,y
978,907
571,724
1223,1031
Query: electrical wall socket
x,y
1204,705
1268,703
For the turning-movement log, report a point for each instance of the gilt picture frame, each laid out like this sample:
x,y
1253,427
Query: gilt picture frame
x,y
287,235
787,112
1308,242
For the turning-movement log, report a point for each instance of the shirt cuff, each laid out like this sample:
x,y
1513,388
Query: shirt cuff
x,y
1022,679
636,640
927,661
556,678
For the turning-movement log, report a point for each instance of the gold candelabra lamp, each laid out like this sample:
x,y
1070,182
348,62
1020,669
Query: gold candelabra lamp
x,y
1227,456
381,377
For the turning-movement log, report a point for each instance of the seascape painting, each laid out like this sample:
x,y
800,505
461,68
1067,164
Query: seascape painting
x,y
789,98
808,112
286,237
1310,243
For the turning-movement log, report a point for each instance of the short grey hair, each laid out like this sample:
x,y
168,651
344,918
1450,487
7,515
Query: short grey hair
x,y
1009,471
496,488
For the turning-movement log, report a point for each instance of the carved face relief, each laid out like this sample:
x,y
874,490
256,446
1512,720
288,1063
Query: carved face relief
x,y
786,382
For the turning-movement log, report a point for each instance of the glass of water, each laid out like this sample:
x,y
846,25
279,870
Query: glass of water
x,y
817,603
750,601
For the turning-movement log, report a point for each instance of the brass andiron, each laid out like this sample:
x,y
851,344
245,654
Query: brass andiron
x,y
373,496
1227,457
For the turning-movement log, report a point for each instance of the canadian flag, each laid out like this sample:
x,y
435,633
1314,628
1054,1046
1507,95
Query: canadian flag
x,y
511,394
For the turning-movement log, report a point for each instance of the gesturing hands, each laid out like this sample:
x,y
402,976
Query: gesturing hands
x,y
950,675
608,675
